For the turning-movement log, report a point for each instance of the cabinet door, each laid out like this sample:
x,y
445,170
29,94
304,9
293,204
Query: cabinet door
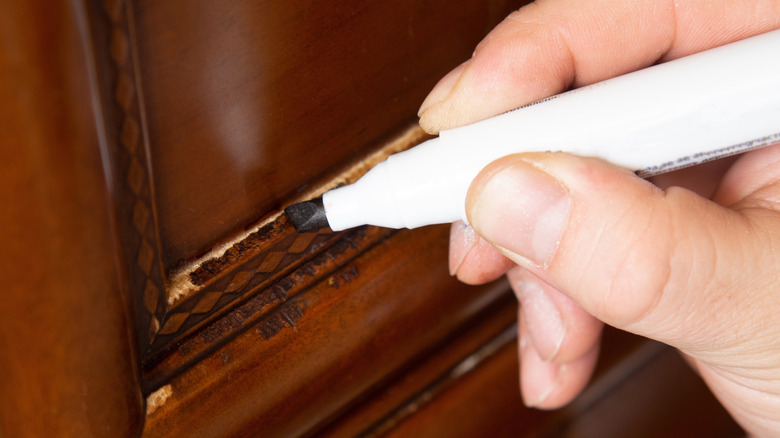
x,y
155,287
223,114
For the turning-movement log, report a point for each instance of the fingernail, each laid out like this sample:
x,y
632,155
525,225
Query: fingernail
x,y
523,210
442,89
539,379
540,392
462,239
542,318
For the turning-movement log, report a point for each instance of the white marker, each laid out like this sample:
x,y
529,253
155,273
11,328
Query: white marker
x,y
683,112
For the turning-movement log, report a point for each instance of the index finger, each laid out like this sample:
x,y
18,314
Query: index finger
x,y
549,46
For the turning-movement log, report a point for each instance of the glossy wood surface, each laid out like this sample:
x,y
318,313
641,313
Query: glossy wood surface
x,y
67,363
250,103
219,115
640,389
334,342
149,147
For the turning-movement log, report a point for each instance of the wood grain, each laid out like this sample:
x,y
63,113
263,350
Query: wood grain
x,y
290,372
641,389
68,365
249,103
148,149
219,115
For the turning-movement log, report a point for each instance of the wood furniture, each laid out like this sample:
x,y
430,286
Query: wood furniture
x,y
154,288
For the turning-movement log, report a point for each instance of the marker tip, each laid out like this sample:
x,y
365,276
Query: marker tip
x,y
307,215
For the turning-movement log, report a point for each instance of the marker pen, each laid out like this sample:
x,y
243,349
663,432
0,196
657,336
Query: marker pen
x,y
679,113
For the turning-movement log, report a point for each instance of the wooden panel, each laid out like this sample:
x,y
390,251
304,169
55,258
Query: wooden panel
x,y
293,369
249,103
151,146
67,365
641,389
219,114
441,368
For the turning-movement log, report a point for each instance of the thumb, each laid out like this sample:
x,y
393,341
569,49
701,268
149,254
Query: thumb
x,y
668,265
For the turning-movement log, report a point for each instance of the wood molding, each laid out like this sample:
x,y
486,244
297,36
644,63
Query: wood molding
x,y
69,365
133,179
268,308
232,324
262,256
171,305
356,311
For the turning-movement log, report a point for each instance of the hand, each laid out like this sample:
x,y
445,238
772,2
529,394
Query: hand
x,y
584,242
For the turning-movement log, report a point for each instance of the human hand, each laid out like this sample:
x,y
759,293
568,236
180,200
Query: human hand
x,y
583,241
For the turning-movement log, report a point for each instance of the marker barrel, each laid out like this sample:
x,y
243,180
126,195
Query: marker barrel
x,y
680,113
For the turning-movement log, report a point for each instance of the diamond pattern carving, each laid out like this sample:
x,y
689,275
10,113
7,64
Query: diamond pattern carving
x,y
207,302
140,215
131,166
173,323
136,176
271,261
239,281
151,294
145,257
129,134
287,249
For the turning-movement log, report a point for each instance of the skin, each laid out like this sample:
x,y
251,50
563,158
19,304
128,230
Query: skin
x,y
688,259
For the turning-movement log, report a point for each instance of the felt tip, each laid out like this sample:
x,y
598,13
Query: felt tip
x,y
307,216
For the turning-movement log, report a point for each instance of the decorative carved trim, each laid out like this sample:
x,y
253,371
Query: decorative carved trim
x,y
282,252
253,261
134,187
196,276
171,306
270,303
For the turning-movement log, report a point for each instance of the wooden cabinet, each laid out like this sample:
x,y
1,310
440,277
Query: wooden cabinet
x,y
156,289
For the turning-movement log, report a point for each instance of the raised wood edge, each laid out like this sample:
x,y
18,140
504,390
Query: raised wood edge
x,y
293,369
258,258
70,366
172,305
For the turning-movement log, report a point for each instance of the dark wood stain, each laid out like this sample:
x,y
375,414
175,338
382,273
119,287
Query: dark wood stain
x,y
267,305
147,133
284,317
248,247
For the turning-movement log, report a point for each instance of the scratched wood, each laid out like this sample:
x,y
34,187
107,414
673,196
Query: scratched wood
x,y
268,308
221,114
248,103
330,363
322,350
152,146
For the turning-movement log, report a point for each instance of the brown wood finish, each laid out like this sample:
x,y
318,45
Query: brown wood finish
x,y
641,389
222,115
149,149
334,342
67,362
235,91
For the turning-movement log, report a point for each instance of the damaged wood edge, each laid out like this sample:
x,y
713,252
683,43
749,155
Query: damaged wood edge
x,y
180,284
158,398
267,304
